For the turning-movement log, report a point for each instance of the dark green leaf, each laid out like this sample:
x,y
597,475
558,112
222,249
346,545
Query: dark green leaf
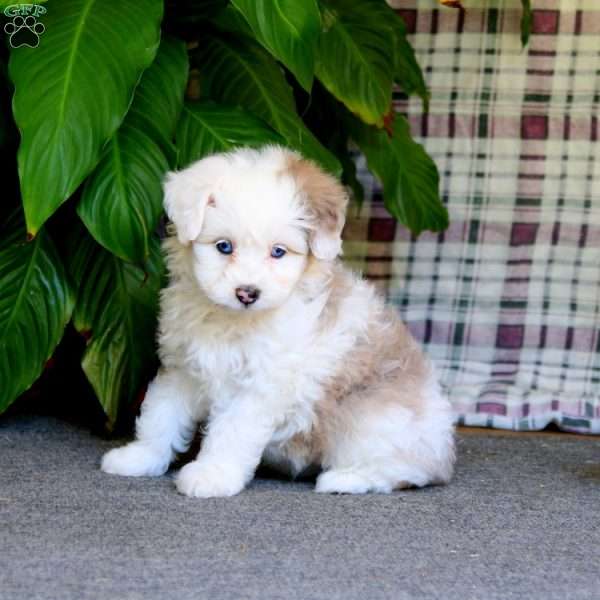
x,y
288,29
35,305
73,90
9,142
409,176
186,18
206,128
231,20
116,309
407,72
355,56
192,11
526,22
237,71
324,116
122,198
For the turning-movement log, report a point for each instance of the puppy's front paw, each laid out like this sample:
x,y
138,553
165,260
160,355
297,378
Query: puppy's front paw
x,y
135,460
205,480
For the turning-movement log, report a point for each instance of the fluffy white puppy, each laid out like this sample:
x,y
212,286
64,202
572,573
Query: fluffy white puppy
x,y
287,357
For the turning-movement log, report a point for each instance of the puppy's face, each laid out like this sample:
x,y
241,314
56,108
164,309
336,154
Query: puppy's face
x,y
252,218
252,248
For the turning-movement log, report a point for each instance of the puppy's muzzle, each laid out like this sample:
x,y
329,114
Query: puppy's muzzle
x,y
247,294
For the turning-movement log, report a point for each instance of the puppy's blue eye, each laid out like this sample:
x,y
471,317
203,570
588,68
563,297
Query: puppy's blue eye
x,y
278,251
224,246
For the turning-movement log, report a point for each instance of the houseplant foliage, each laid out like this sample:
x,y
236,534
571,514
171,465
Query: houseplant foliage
x,y
97,113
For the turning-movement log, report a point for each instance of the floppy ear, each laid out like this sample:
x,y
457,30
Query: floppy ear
x,y
326,201
188,193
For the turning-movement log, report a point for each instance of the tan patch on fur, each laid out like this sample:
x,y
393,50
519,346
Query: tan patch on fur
x,y
384,353
388,365
325,196
384,369
299,453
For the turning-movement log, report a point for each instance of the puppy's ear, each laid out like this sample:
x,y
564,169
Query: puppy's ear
x,y
188,193
326,201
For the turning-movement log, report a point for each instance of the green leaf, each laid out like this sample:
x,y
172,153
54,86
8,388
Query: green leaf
x,y
186,18
192,11
409,176
206,128
407,72
237,71
289,30
122,198
232,21
526,22
355,57
35,305
73,90
116,309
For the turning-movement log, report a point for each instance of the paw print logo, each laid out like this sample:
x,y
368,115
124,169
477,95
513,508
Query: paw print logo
x,y
24,31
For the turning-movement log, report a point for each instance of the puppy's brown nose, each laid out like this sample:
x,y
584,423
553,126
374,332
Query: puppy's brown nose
x,y
247,294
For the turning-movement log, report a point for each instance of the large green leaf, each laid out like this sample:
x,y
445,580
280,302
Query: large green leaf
x,y
407,72
355,60
73,90
288,29
325,116
35,305
409,175
122,198
237,71
206,128
116,309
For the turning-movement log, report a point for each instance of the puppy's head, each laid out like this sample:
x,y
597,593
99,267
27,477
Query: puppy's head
x,y
252,218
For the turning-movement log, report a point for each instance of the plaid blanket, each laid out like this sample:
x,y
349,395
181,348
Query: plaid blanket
x,y
506,301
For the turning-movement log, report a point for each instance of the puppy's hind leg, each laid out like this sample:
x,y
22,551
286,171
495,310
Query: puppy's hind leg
x,y
380,447
165,426
370,478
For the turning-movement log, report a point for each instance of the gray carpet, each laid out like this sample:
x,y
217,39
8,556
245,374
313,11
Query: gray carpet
x,y
520,520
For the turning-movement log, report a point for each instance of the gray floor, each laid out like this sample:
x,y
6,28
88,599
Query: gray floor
x,y
520,520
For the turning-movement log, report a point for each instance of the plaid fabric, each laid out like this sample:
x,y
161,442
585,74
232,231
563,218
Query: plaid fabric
x,y
507,300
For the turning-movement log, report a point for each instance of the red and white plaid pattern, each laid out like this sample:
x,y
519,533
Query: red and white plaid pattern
x,y
507,300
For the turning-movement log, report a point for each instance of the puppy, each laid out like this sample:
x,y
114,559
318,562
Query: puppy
x,y
285,356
